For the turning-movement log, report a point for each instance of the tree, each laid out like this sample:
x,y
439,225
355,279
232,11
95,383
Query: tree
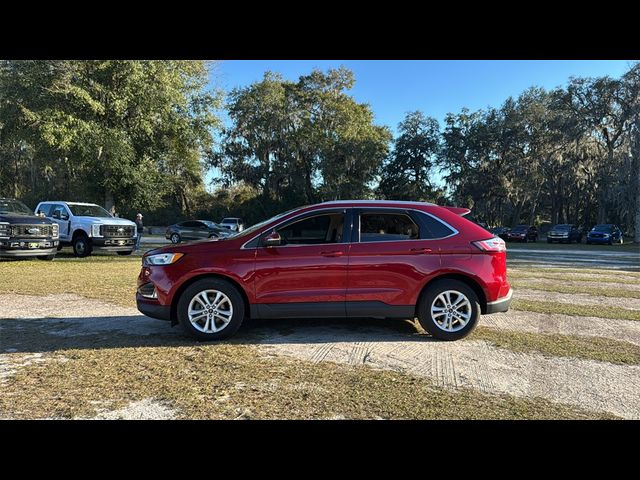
x,y
407,174
301,142
128,134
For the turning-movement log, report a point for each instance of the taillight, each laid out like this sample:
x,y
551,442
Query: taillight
x,y
495,244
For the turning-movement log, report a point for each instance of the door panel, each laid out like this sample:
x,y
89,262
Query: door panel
x,y
305,270
389,271
64,224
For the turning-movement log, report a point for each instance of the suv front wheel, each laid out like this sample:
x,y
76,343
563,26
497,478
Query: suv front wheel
x,y
448,310
211,309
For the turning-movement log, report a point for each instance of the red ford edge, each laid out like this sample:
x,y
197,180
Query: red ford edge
x,y
381,259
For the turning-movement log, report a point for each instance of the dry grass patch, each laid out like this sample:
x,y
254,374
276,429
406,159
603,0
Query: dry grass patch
x,y
228,381
568,288
574,310
103,277
559,345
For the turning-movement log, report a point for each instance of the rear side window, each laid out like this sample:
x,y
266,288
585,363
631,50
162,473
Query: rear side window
x,y
387,227
434,228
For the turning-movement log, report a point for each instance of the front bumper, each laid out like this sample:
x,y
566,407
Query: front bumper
x,y
501,304
599,239
153,310
114,244
20,247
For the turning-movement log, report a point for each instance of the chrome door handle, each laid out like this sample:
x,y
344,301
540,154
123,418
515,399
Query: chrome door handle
x,y
337,253
421,250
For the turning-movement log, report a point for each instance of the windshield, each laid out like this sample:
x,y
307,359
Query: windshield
x,y
562,227
88,211
258,226
230,220
14,207
603,228
520,228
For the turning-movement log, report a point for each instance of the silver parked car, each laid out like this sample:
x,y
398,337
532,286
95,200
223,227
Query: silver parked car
x,y
233,223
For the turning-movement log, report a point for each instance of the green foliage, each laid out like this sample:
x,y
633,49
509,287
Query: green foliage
x,y
303,142
408,172
127,134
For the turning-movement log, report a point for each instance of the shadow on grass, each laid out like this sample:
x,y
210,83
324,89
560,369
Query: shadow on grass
x,y
43,335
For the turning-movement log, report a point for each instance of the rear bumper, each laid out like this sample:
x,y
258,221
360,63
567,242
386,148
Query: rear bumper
x,y
153,310
501,304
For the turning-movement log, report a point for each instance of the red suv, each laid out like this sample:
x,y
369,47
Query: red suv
x,y
379,259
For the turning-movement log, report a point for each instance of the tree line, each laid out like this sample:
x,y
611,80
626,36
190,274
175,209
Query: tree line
x,y
142,135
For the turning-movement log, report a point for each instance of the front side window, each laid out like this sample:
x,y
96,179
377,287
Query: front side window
x,y
59,212
314,230
387,227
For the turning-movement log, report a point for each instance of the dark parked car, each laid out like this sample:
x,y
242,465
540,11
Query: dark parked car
x,y
500,232
606,233
196,230
381,259
522,233
23,234
564,232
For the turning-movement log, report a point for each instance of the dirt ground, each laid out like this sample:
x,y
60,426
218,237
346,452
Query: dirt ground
x,y
391,345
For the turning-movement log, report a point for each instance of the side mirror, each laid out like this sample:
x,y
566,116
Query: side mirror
x,y
64,216
56,215
273,239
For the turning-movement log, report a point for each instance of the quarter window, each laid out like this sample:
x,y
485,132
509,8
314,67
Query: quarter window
x,y
314,230
433,228
387,227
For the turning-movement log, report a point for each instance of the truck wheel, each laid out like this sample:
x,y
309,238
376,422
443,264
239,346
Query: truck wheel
x,y
210,309
125,253
549,240
59,247
48,258
81,246
448,310
175,238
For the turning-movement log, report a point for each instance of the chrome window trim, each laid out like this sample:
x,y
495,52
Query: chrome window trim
x,y
455,231
319,211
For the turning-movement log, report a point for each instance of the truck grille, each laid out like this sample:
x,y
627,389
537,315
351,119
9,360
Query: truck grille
x,y
32,231
117,231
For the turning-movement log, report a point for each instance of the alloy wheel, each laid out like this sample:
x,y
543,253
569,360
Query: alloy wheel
x,y
210,311
451,311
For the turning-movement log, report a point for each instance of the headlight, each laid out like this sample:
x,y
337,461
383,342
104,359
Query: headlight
x,y
162,258
55,230
606,235
95,230
4,230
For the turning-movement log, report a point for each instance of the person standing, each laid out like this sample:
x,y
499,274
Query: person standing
x,y
139,228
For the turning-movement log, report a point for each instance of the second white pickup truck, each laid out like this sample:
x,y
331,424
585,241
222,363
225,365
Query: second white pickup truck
x,y
87,226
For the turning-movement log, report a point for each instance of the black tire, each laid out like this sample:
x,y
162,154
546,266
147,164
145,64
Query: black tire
x,y
47,258
81,246
175,238
610,242
588,242
220,285
128,252
59,247
549,240
429,296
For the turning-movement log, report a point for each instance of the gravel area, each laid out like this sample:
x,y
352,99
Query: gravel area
x,y
389,345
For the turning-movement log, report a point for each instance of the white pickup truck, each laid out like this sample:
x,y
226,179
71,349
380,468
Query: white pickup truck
x,y
87,226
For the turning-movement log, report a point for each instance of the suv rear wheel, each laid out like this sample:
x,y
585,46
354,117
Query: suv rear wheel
x,y
448,310
81,246
175,238
211,309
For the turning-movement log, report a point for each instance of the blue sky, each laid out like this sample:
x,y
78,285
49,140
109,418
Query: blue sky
x,y
436,87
